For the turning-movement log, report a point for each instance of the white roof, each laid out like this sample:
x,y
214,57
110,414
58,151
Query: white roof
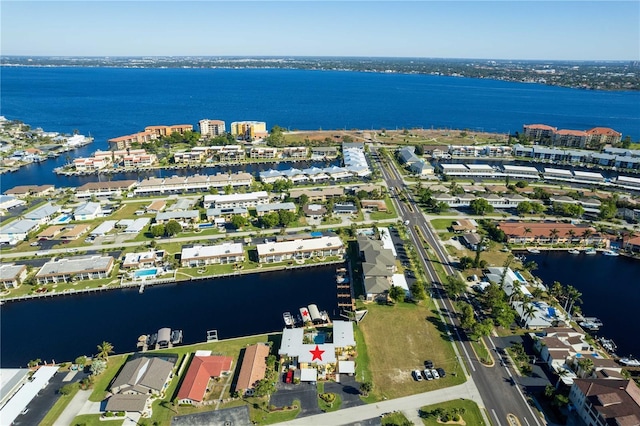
x,y
298,245
202,353
399,280
22,226
10,270
42,212
628,179
509,167
104,227
137,225
387,242
275,206
563,172
308,375
73,265
9,379
343,334
346,367
579,173
453,166
235,197
479,167
212,251
23,397
87,208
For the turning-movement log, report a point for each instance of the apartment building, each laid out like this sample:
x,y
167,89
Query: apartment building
x,y
12,275
199,255
91,164
81,267
571,138
600,402
295,152
604,135
273,252
251,199
124,142
249,130
141,160
260,152
167,130
211,128
539,131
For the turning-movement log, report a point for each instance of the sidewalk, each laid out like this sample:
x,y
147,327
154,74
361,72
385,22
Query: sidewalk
x,y
74,408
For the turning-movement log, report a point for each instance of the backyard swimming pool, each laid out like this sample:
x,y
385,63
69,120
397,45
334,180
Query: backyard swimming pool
x,y
65,218
205,225
143,273
520,277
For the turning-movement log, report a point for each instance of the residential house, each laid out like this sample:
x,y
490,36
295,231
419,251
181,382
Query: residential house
x,y
422,168
253,368
345,208
378,267
263,152
407,155
324,152
22,191
73,232
42,214
317,194
146,259
81,267
50,232
12,275
87,211
263,209
223,215
599,402
202,369
143,376
16,231
314,211
185,218
374,205
295,152
251,199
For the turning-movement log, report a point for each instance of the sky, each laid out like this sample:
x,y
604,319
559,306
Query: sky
x,y
547,30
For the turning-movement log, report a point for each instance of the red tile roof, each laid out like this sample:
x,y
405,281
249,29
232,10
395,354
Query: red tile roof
x,y
540,126
603,131
568,132
254,366
516,229
202,369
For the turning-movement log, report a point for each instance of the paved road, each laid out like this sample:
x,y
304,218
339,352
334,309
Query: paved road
x,y
409,405
500,394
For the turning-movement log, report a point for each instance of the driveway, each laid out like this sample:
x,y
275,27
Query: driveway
x,y
348,389
306,393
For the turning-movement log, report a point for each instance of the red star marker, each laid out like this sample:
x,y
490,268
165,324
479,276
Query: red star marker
x,y
317,354
305,313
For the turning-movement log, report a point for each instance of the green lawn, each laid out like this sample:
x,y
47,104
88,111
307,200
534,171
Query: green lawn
x,y
94,420
441,224
471,414
394,419
389,214
482,352
58,408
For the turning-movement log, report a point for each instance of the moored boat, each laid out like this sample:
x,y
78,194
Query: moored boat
x,y
574,251
630,362
533,250
288,319
610,253
176,337
590,250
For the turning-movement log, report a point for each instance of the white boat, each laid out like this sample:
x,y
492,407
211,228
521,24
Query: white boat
x,y
610,253
176,337
534,251
630,362
590,251
574,251
288,319
590,325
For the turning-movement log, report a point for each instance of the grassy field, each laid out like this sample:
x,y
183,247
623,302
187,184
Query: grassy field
x,y
399,339
94,420
441,224
389,214
470,416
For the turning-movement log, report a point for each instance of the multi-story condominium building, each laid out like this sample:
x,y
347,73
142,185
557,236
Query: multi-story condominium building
x,y
145,259
541,233
539,131
123,142
184,217
295,152
167,130
250,199
82,267
263,209
249,130
571,138
196,183
91,164
211,128
228,152
206,255
263,152
273,252
104,189
602,402
604,135
142,160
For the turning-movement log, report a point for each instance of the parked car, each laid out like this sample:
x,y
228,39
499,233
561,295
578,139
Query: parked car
x,y
34,244
417,375
428,364
441,372
427,374
435,374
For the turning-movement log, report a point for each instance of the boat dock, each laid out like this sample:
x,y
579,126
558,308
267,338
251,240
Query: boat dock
x,y
165,338
344,289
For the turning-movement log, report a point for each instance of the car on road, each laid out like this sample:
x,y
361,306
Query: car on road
x,y
427,374
72,250
441,372
417,375
435,374
34,244
406,223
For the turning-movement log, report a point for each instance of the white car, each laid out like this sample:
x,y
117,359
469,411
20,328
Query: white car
x,y
34,244
417,375
435,374
427,374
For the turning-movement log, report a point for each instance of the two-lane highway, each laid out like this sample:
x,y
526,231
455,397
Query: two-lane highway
x,y
499,389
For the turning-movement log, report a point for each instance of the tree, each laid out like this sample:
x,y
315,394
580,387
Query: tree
x,y
98,366
481,329
303,199
586,365
81,360
158,230
286,217
454,286
549,391
34,362
104,350
396,293
172,228
366,387
238,221
523,208
557,290
270,220
554,234
466,262
467,316
572,296
528,311
585,236
66,389
480,206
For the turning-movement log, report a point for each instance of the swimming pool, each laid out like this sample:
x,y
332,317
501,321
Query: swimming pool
x,y
520,277
205,225
62,219
140,273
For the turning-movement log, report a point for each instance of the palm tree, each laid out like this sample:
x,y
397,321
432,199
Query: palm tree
x,y
554,234
572,235
526,231
585,235
557,290
104,350
572,296
586,365
528,311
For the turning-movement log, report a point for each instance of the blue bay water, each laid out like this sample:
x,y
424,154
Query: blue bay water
x,y
110,102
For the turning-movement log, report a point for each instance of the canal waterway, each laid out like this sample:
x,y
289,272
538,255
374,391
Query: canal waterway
x,y
610,288
62,328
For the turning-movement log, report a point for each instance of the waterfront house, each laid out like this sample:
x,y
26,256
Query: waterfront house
x,y
143,376
129,403
16,231
81,267
314,211
263,209
12,275
203,368
199,255
317,194
606,402
541,316
271,176
273,252
297,152
324,152
263,152
87,211
146,259
42,214
250,199
90,164
540,233
378,267
22,191
317,360
113,188
253,368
